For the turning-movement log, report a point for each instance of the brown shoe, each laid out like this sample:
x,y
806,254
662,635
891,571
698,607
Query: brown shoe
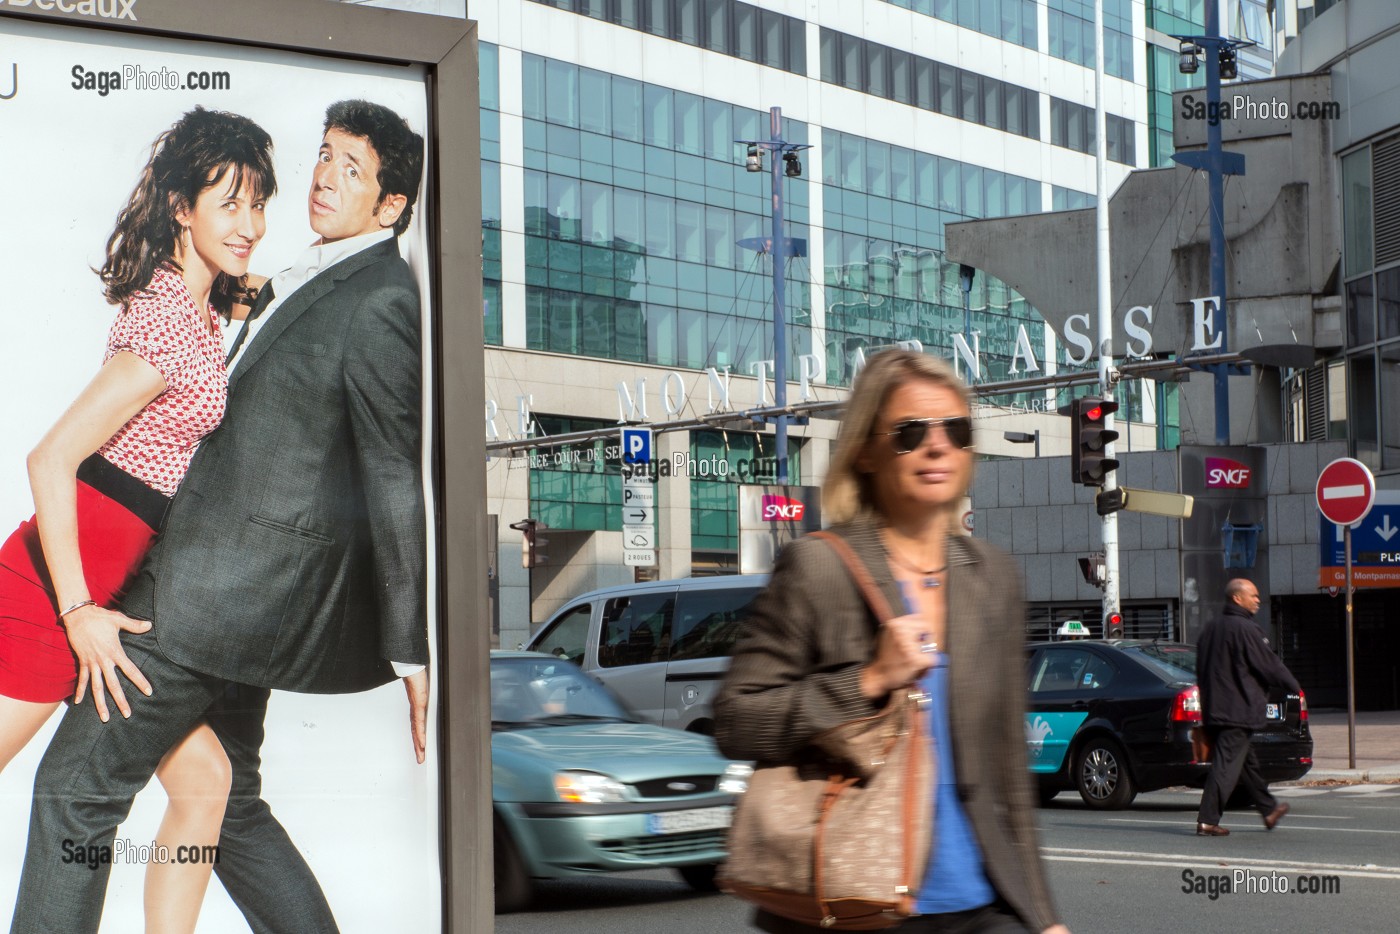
x,y
1272,818
1211,830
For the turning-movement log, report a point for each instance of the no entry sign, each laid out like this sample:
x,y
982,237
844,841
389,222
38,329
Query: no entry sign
x,y
1345,491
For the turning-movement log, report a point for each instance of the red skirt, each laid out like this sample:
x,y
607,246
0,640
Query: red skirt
x,y
117,521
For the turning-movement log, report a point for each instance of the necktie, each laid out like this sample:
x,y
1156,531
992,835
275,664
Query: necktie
x,y
263,300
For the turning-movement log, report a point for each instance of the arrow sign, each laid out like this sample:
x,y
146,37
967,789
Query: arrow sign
x,y
1346,491
1385,530
635,515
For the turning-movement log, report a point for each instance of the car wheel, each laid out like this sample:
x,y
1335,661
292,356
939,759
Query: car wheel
x,y
514,887
1101,775
700,878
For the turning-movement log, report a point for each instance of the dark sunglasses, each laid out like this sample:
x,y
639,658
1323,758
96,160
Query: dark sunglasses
x,y
909,435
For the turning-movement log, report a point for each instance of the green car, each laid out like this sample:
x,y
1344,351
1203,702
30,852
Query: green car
x,y
580,786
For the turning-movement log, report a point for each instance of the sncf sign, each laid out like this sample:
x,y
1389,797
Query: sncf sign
x,y
1225,474
782,509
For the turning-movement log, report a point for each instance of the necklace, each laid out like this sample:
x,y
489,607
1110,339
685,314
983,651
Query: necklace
x,y
930,577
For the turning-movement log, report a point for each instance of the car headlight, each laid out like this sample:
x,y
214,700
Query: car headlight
x,y
735,780
588,788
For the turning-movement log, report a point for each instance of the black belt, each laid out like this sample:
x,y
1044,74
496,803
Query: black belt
x,y
116,484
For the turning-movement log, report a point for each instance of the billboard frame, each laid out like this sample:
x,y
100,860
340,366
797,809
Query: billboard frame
x,y
446,48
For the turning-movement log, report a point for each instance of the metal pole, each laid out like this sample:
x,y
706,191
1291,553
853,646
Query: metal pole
x,y
1216,180
779,252
1351,661
1105,308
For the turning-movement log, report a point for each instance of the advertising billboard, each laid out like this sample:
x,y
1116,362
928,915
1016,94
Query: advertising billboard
x,y
272,439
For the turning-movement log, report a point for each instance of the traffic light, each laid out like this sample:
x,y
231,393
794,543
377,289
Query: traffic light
x,y
1229,64
1094,569
1088,462
1114,627
531,544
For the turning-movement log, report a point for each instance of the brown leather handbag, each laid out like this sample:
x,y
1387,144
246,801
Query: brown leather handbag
x,y
839,838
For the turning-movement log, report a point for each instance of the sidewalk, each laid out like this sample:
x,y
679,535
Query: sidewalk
x,y
1377,746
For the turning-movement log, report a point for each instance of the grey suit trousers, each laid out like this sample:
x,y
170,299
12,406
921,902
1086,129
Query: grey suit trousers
x,y
92,771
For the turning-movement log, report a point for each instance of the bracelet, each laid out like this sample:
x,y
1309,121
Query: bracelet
x,y
77,606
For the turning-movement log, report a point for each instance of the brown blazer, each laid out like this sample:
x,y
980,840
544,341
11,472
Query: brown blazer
x,y
796,672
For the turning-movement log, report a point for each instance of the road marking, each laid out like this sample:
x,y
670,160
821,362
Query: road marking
x,y
1291,825
1139,858
1223,862
1344,492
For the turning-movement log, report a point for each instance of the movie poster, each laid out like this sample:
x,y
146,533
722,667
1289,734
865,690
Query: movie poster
x,y
79,111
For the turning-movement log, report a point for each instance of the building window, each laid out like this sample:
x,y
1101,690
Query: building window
x,y
1009,20
1356,210
1072,32
720,462
1072,126
632,221
729,27
864,66
576,486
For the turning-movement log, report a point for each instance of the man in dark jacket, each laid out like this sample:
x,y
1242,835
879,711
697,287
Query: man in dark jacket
x,y
1235,670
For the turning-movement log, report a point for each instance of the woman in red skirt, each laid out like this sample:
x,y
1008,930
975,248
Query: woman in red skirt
x,y
104,474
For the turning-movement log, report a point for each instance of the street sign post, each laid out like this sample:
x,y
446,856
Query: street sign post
x,y
1346,491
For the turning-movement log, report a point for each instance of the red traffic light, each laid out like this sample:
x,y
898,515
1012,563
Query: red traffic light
x,y
1094,414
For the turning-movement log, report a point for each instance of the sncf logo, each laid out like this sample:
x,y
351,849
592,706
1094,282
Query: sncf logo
x,y
781,508
1225,474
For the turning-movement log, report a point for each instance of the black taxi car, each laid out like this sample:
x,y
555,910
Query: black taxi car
x,y
1111,719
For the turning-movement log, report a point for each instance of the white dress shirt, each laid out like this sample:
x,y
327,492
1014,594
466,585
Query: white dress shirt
x,y
316,258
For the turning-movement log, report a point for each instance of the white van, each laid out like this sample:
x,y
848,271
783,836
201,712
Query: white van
x,y
663,645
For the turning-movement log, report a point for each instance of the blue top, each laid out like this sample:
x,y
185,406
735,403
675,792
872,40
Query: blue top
x,y
955,879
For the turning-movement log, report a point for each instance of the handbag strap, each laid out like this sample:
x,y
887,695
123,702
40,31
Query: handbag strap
x,y
872,594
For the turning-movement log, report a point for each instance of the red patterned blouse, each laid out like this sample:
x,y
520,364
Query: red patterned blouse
x,y
163,327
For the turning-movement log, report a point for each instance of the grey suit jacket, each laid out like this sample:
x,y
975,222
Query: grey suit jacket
x,y
796,672
294,554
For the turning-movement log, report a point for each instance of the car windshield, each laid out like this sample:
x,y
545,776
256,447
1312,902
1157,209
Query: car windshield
x,y
547,692
1174,662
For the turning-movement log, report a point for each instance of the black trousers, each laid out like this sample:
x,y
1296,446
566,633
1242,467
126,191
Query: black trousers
x,y
92,771
1234,763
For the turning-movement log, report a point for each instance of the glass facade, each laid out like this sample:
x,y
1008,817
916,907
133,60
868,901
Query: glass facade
x,y
1072,31
1068,199
729,27
1009,20
1371,253
714,500
636,198
489,76
1072,126
871,68
1177,17
576,487
1164,77
886,278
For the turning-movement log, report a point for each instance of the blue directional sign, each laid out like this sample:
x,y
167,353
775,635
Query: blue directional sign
x,y
636,445
1374,543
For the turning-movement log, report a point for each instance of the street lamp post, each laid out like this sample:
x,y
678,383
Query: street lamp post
x,y
782,162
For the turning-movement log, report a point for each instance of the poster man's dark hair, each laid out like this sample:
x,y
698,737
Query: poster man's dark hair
x,y
400,150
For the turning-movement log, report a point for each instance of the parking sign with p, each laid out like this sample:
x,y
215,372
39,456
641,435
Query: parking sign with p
x,y
636,445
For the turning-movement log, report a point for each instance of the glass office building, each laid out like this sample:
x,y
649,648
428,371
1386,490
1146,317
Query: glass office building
x,y
628,276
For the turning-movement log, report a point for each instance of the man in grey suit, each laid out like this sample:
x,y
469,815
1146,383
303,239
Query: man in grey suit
x,y
293,557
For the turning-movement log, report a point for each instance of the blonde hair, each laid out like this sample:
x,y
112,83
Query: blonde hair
x,y
847,491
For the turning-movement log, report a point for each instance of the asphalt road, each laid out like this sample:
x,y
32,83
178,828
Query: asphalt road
x,y
1140,870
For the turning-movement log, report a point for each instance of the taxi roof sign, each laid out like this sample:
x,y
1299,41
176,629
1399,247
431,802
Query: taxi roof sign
x,y
1072,627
